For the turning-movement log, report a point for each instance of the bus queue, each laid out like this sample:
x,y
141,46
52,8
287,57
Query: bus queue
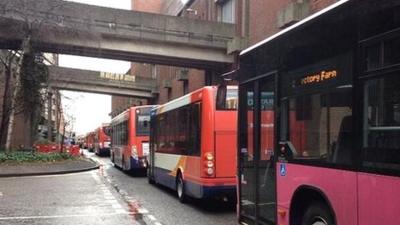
x,y
310,135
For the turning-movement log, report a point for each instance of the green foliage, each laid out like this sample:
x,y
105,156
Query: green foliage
x,y
33,77
21,157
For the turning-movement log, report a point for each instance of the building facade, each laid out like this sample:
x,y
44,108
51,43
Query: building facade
x,y
255,20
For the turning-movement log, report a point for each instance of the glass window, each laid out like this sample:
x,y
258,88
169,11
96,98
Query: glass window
x,y
381,139
178,131
228,11
373,54
392,52
320,127
194,132
229,101
143,125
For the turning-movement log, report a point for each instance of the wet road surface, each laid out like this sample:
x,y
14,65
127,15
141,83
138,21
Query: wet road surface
x,y
73,199
102,197
160,205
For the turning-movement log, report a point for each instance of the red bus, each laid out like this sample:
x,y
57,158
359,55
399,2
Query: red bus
x,y
319,120
130,138
89,140
102,141
193,142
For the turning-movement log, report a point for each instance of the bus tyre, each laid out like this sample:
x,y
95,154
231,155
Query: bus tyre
x,y
180,189
123,164
149,178
317,214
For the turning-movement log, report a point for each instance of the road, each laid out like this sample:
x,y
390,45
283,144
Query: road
x,y
161,205
105,196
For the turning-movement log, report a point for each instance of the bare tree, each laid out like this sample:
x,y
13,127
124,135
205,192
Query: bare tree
x,y
31,28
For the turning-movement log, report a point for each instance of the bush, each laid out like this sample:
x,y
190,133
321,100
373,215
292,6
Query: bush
x,y
21,156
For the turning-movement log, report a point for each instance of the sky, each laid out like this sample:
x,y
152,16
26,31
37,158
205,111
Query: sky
x,y
90,110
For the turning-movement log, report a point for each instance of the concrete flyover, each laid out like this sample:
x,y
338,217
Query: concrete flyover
x,y
100,82
73,28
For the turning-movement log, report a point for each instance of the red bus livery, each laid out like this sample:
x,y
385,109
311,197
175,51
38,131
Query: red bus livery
x,y
130,138
89,140
102,141
193,142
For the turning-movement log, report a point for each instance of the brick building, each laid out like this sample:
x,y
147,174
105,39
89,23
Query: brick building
x,y
255,20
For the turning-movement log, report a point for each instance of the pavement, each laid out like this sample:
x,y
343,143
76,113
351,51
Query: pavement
x,y
48,168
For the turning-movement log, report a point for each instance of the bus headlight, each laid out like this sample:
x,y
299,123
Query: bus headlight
x,y
210,164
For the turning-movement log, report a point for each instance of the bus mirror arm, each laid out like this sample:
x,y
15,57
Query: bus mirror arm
x,y
287,150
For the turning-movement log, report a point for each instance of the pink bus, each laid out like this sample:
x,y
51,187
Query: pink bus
x,y
319,120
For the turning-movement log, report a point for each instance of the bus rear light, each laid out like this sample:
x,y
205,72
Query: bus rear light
x,y
210,164
134,152
209,156
281,212
210,171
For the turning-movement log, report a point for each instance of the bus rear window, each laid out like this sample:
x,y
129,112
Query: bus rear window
x,y
143,125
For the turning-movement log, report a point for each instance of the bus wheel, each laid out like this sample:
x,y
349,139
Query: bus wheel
x,y
317,214
149,178
123,164
180,189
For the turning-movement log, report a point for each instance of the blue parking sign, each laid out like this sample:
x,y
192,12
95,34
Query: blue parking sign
x,y
283,169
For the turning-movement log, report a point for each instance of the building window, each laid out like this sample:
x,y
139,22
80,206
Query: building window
x,y
154,71
228,11
185,87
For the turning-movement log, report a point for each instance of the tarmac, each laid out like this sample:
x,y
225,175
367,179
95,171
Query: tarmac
x,y
48,168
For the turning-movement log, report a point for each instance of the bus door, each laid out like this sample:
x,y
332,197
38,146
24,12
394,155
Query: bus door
x,y
257,194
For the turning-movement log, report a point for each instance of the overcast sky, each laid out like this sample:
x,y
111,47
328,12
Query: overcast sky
x,y
90,110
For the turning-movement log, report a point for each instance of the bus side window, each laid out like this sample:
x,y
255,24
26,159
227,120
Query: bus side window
x,y
319,126
381,136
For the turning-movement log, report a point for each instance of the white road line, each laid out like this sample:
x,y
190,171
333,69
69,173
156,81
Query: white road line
x,y
121,211
116,206
118,212
157,223
143,211
107,197
1,194
113,201
151,217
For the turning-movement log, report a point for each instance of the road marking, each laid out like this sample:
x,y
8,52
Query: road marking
x,y
118,212
1,194
143,211
157,223
121,211
116,206
151,217
113,201
107,197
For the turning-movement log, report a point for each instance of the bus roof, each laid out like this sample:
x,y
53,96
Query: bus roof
x,y
298,24
185,100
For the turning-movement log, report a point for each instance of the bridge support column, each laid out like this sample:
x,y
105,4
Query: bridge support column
x,y
49,113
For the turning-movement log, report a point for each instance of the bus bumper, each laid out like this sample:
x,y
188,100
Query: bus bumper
x,y
200,191
103,152
138,163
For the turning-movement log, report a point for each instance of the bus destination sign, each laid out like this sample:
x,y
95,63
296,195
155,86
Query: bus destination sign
x,y
316,78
